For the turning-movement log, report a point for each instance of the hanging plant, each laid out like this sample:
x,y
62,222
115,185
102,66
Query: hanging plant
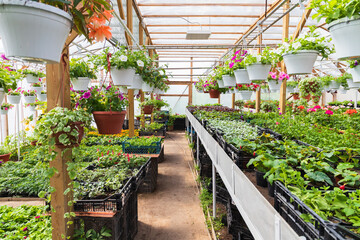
x,y
5,107
310,87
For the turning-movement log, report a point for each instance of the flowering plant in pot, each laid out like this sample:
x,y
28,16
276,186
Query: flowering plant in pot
x,y
32,76
37,87
81,74
343,17
213,88
8,78
199,85
143,65
274,80
5,107
245,90
107,106
62,127
355,70
29,96
238,66
42,95
291,86
14,96
259,65
310,87
227,74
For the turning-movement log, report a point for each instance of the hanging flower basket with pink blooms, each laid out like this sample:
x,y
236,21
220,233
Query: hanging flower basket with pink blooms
x,y
5,107
274,80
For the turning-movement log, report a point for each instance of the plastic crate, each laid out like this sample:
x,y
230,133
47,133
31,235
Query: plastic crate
x,y
158,132
338,232
154,148
141,174
236,224
241,158
149,183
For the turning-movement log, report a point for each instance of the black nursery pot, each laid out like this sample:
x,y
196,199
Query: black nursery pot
x,y
260,180
271,189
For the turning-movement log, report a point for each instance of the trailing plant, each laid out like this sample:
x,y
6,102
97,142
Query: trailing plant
x,y
80,68
28,93
6,106
267,56
280,77
37,74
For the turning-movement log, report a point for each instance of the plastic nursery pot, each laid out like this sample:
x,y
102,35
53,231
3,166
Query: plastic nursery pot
x,y
146,87
271,189
148,109
214,93
242,76
258,71
33,31
31,78
30,99
301,62
355,72
122,77
109,122
74,142
5,158
245,95
350,82
14,99
137,82
220,83
260,180
80,84
345,34
229,81
274,86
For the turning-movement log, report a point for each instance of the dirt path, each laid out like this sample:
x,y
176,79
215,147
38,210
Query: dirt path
x,y
173,211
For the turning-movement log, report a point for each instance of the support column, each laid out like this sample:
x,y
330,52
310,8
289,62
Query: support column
x,y
190,86
233,101
129,23
152,114
258,93
214,189
219,99
6,121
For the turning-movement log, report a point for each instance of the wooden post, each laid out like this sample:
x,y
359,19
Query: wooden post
x,y
142,95
233,101
152,114
323,99
190,86
286,19
258,93
129,23
219,101
6,121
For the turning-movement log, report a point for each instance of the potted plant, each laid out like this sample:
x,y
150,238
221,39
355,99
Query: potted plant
x,y
147,106
32,76
300,55
349,80
142,62
45,25
32,106
310,87
274,81
228,75
291,85
245,91
14,96
4,154
42,96
258,66
237,64
217,75
213,88
344,25
29,96
62,127
5,107
37,87
8,79
107,106
239,103
355,70
81,74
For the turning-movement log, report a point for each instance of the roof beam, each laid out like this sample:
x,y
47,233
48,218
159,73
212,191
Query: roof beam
x,y
208,25
178,82
201,4
302,23
237,33
194,15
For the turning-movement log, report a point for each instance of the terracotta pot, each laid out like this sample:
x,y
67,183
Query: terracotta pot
x,y
5,158
307,97
206,91
75,142
148,109
109,122
214,93
296,96
315,99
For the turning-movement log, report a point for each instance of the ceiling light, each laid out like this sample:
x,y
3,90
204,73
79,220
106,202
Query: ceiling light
x,y
197,35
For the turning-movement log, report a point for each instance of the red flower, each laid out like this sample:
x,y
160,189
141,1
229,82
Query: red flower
x,y
342,187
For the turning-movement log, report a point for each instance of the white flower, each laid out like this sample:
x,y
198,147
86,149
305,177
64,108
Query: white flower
x,y
296,45
123,58
140,63
311,39
258,58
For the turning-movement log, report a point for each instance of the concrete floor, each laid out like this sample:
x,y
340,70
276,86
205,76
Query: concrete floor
x,y
173,211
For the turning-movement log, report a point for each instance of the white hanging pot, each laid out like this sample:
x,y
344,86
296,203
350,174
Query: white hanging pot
x,y
29,99
37,89
245,95
334,85
3,111
32,108
136,91
342,90
33,31
146,87
345,34
42,97
242,76
136,82
301,62
258,71
122,77
273,86
14,99
2,95
220,83
229,81
355,72
81,83
158,91
264,90
31,78
289,89
350,83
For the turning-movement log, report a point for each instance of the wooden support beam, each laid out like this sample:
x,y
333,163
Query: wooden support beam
x,y
233,101
208,25
258,93
198,16
141,35
190,86
142,99
286,20
129,19
131,113
219,99
174,95
301,24
152,114
129,23
6,121
218,33
179,82
174,4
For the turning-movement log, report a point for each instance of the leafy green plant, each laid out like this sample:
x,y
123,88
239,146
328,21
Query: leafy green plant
x,y
80,68
37,74
265,57
29,93
152,127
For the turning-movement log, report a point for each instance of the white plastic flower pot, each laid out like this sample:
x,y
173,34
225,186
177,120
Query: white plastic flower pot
x,y
342,90
351,84
146,87
221,83
136,91
345,34
289,89
31,78
245,95
334,85
32,108
242,76
42,97
2,95
264,90
14,99
274,86
37,89
137,82
29,99
229,81
122,77
3,111
33,31
258,71
301,62
355,72
81,83
158,91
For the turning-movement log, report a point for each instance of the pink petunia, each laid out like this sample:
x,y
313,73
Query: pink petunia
x,y
231,65
233,58
329,112
317,107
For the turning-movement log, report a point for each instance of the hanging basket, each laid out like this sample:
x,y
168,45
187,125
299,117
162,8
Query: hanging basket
x,y
109,122
42,97
258,71
355,72
345,34
80,83
75,141
32,108
350,83
148,109
31,78
289,89
242,76
2,95
3,111
14,99
29,99
296,96
301,62
245,95
229,81
342,90
122,77
214,93
137,82
274,86
32,31
220,83
146,87
334,85
37,89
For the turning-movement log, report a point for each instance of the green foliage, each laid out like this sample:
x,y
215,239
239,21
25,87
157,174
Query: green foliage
x,y
310,86
37,74
152,127
267,56
80,68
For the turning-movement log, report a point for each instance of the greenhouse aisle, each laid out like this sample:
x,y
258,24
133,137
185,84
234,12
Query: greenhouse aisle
x,y
173,211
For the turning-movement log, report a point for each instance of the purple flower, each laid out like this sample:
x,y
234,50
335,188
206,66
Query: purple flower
x,y
77,104
233,58
356,63
4,58
108,87
237,60
25,229
87,95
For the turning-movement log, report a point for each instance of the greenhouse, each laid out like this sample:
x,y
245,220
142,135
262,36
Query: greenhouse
x,y
179,120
